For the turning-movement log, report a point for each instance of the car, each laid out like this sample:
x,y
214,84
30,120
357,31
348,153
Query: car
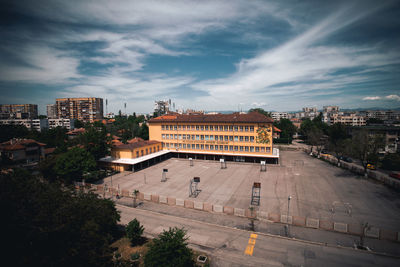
x,y
347,159
395,175
371,166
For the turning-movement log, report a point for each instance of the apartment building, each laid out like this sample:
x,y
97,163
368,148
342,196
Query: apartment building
x,y
18,111
65,123
51,111
87,109
37,124
349,119
233,137
277,116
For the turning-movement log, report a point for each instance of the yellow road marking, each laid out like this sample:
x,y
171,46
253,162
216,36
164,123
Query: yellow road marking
x,y
251,244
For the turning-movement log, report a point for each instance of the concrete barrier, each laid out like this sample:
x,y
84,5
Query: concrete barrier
x,y
327,225
155,198
286,219
180,202
198,205
250,214
163,200
207,207
355,229
388,235
340,227
189,204
238,212
147,196
262,214
312,223
171,201
140,196
228,210
218,208
299,221
274,217
125,193
372,232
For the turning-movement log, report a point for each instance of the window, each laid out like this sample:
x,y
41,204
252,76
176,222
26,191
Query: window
x,y
211,147
236,148
241,148
211,128
221,128
230,148
141,152
221,138
175,127
207,147
137,154
166,144
231,138
183,127
251,138
179,127
202,127
246,139
180,145
231,128
236,128
197,137
167,136
246,148
212,137
162,127
226,148
236,139
221,147
268,149
197,146
184,145
184,137
241,138
193,146
257,149
226,128
206,137
241,128
163,136
179,137
197,127
202,137
252,149
166,127
226,137
206,128
175,136
246,128
193,127
262,149
150,150
193,137
251,128
202,147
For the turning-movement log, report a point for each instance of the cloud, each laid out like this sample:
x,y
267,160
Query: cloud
x,y
371,98
393,97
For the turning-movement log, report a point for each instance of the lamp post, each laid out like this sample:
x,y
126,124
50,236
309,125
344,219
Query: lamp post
x,y
287,217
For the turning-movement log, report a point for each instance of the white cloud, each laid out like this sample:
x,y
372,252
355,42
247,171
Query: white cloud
x,y
393,97
371,98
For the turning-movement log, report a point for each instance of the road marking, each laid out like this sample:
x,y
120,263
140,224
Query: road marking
x,y
251,244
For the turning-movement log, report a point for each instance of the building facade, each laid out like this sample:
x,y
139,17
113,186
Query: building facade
x,y
65,123
87,109
37,124
18,111
277,116
51,111
22,150
350,119
236,137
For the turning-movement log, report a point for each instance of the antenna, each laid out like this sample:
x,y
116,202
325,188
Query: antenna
x,y
106,106
125,108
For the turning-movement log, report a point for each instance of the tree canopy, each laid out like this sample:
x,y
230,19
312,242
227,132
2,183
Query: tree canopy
x,y
46,225
260,110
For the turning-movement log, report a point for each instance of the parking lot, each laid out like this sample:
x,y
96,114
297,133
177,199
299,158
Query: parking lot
x,y
317,189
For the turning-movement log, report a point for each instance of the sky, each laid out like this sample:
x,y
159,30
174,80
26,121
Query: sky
x,y
204,55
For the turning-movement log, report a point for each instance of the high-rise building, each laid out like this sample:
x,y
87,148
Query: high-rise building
x,y
51,111
87,109
18,111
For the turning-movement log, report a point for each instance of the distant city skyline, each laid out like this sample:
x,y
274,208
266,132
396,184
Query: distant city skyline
x,y
204,55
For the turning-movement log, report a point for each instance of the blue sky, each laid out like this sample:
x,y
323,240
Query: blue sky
x,y
210,55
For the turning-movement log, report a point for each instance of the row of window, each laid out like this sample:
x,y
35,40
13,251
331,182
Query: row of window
x,y
230,138
147,151
217,147
220,128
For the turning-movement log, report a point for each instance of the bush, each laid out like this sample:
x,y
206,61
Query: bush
x,y
134,232
282,140
169,249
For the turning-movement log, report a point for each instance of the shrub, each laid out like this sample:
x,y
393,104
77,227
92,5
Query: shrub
x,y
391,162
169,249
134,232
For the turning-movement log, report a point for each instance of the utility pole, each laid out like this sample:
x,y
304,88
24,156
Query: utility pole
x,y
287,217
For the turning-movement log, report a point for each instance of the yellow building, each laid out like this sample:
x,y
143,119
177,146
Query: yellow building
x,y
134,156
234,137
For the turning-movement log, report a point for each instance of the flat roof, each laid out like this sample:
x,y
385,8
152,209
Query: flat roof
x,y
135,160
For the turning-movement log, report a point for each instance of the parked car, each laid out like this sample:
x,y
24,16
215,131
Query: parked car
x,y
347,159
395,175
371,166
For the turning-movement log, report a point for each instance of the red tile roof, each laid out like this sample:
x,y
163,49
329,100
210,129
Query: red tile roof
x,y
252,117
134,140
18,144
76,131
138,144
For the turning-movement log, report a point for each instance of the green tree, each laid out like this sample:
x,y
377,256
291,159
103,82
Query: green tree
x,y
287,128
339,141
71,165
365,147
78,124
134,231
95,140
169,249
47,225
391,162
261,111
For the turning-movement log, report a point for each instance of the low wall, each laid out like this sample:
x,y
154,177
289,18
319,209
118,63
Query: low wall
x,y
353,229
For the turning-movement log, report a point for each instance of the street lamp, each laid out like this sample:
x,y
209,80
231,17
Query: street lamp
x,y
287,217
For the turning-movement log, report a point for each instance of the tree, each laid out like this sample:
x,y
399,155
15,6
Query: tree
x,y
287,128
71,165
261,111
365,147
391,162
78,124
47,225
134,232
315,138
169,249
95,140
339,141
